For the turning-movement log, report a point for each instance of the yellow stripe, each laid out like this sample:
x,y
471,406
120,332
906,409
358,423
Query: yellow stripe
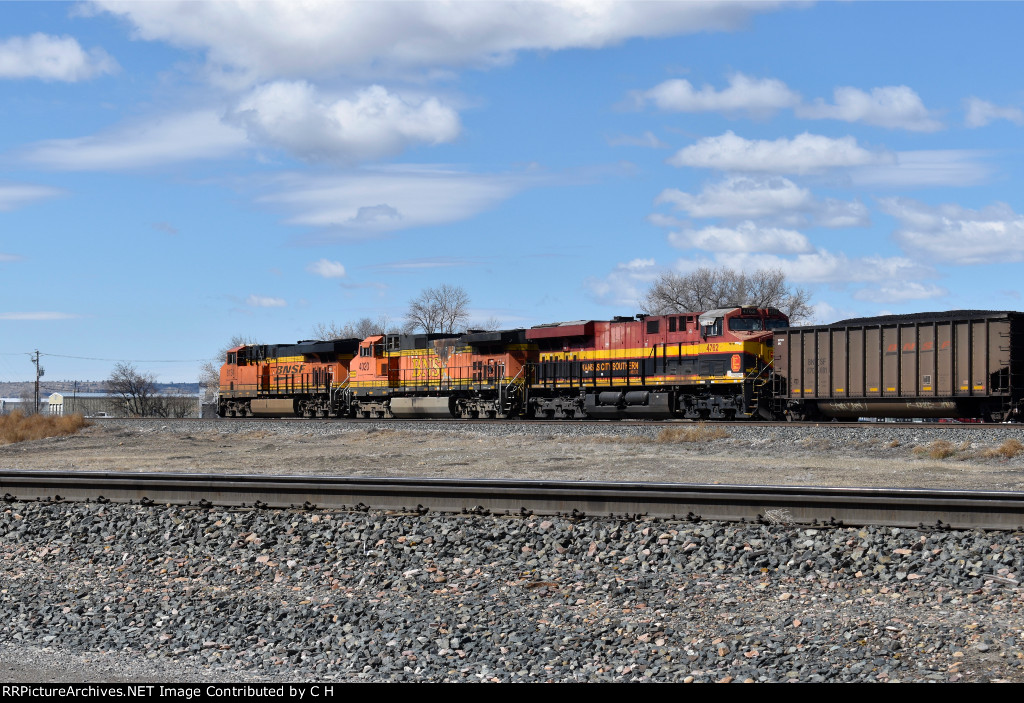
x,y
664,351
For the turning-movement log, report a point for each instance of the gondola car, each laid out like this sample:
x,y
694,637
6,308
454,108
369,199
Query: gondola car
x,y
955,364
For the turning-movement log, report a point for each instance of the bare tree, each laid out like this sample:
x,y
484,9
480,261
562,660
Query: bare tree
x,y
361,329
443,309
132,391
491,324
708,289
28,401
174,405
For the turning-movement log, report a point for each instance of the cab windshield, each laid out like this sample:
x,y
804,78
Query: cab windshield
x,y
745,324
776,324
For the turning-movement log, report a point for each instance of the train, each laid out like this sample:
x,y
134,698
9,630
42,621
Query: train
x,y
736,363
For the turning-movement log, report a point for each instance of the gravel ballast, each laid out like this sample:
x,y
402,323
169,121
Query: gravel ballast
x,y
125,592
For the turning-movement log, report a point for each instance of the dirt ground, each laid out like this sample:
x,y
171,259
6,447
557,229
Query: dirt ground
x,y
785,456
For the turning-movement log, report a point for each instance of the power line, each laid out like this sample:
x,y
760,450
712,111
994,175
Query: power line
x,y
132,361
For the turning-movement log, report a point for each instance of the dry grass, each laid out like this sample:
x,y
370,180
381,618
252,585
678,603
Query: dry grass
x,y
18,427
939,449
695,433
1008,449
893,444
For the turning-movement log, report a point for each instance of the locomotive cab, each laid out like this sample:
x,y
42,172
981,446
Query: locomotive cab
x,y
743,323
374,368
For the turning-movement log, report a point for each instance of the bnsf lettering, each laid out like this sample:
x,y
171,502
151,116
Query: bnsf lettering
x,y
290,368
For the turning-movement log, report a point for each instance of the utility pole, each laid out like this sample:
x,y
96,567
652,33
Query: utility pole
x,y
39,373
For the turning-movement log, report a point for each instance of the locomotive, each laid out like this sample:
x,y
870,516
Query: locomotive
x,y
743,362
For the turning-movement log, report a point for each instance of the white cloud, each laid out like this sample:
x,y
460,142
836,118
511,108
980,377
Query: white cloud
x,y
52,58
289,39
739,197
647,139
43,316
8,258
981,112
371,202
375,123
744,237
825,313
291,116
840,213
428,263
805,153
327,269
171,139
622,287
259,301
954,234
638,266
892,107
744,94
900,291
15,195
941,167
821,266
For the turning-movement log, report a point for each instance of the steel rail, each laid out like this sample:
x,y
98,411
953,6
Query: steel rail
x,y
797,504
622,422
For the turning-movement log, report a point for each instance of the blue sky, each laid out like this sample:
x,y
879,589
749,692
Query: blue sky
x,y
176,173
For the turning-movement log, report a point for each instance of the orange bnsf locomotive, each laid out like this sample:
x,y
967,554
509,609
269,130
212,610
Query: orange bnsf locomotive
x,y
307,379
714,364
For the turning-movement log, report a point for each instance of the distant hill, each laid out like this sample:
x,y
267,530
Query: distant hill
x,y
18,389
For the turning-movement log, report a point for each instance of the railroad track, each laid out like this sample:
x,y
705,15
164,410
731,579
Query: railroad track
x,y
773,504
936,426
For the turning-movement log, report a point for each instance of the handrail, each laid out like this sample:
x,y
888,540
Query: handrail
x,y
504,390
